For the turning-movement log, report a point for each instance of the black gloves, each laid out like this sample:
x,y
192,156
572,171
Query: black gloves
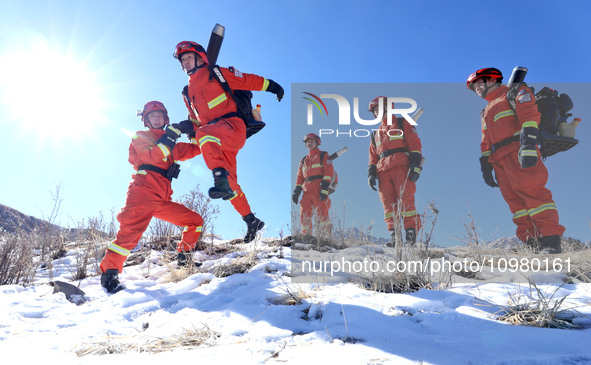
x,y
414,171
186,126
296,194
528,156
372,172
324,189
487,172
528,153
171,134
528,136
276,89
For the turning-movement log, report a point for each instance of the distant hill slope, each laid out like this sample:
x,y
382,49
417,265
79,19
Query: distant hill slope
x,y
11,220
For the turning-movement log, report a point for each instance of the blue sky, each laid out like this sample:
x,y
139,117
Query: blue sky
x,y
116,55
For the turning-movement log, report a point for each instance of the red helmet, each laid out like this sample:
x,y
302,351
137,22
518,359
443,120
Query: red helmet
x,y
375,102
153,106
484,72
188,46
312,136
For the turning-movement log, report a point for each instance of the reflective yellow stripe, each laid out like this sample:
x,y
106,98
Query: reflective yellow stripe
x,y
235,195
325,192
197,229
316,165
387,215
265,85
520,213
530,123
300,185
503,114
412,213
486,153
417,170
529,153
164,149
141,172
415,151
215,102
118,249
203,140
541,208
327,178
392,138
194,140
177,131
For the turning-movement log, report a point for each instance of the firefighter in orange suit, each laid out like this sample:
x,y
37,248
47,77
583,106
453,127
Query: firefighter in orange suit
x,y
315,173
219,130
509,148
153,154
395,162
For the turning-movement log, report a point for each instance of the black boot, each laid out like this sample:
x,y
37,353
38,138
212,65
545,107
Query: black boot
x,y
253,225
550,244
221,188
185,260
533,243
411,236
392,242
110,281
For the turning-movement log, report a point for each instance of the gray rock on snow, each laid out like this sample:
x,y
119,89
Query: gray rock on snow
x,y
73,293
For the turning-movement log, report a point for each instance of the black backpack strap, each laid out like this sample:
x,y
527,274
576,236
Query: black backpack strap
x,y
217,74
322,154
185,93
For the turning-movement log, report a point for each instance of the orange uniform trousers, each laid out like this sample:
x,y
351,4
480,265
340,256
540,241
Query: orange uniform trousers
x,y
141,205
534,211
311,206
220,142
397,194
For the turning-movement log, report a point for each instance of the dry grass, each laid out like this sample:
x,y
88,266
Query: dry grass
x,y
187,340
239,265
581,265
396,283
293,295
16,259
540,309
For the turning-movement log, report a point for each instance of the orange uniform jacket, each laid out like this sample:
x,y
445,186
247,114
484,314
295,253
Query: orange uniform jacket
x,y
534,211
500,121
149,195
144,150
395,190
387,138
312,166
209,100
311,173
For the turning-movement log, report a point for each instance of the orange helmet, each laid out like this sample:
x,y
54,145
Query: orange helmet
x,y
188,46
484,72
312,136
375,102
153,106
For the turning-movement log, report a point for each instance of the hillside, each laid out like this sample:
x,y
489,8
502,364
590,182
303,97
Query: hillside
x,y
11,221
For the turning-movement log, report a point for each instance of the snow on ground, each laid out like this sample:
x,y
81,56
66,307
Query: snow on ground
x,y
334,324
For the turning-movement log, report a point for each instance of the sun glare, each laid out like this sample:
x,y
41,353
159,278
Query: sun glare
x,y
49,92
